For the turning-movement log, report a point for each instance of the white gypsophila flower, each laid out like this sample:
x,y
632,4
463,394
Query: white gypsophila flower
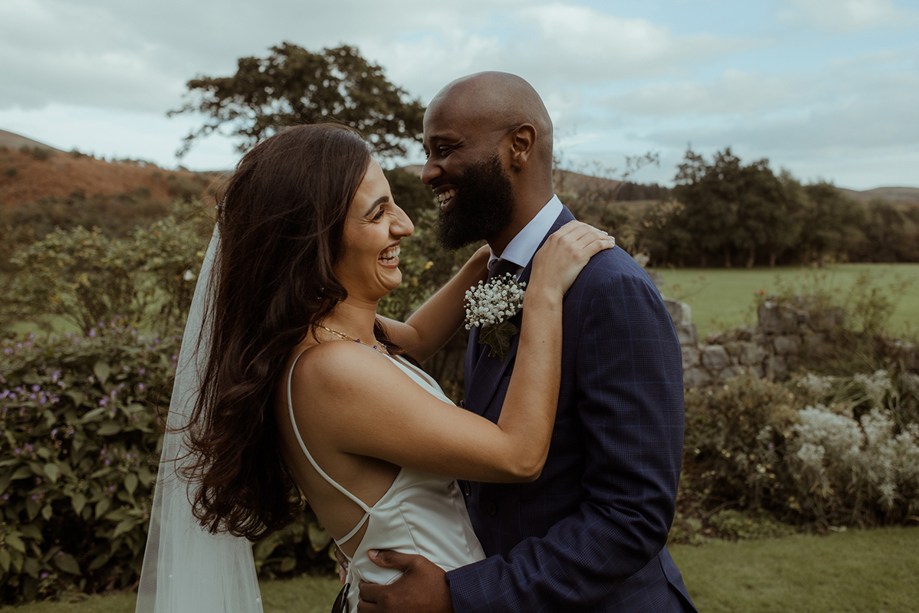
x,y
876,386
493,302
839,435
816,385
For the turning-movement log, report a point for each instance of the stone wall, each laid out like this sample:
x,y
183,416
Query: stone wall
x,y
785,335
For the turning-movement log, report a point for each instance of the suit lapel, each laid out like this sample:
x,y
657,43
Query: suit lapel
x,y
487,373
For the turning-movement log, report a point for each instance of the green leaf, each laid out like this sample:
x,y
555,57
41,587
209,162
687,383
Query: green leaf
x,y
76,396
15,542
99,561
102,506
102,370
31,567
30,531
109,428
31,508
319,537
130,483
53,471
93,415
79,501
5,559
123,526
22,472
498,338
67,563
47,511
288,564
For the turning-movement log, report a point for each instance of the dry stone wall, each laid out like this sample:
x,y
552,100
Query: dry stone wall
x,y
785,335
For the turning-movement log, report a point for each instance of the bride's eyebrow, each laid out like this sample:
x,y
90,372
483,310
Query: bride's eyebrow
x,y
375,204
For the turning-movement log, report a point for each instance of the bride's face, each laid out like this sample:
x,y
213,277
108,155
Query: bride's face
x,y
369,262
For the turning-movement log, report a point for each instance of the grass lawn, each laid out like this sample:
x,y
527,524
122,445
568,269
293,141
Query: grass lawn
x,y
854,571
723,298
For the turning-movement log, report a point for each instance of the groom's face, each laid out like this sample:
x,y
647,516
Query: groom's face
x,y
483,205
465,170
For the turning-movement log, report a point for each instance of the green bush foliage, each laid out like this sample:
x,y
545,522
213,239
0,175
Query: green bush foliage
x,y
81,420
86,277
77,453
819,450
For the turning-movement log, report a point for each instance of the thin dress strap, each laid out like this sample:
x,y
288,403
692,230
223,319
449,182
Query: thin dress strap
x,y
309,456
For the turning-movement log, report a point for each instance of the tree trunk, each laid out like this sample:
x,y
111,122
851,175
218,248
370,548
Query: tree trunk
x,y
752,257
727,257
772,258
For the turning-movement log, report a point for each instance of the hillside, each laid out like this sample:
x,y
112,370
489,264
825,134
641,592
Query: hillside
x,y
893,194
28,177
15,141
564,180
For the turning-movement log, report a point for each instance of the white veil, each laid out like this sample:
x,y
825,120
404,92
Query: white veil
x,y
185,567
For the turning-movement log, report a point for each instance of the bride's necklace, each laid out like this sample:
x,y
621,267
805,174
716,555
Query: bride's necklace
x,y
342,335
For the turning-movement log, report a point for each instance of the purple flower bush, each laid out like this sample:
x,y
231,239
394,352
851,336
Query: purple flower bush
x,y
80,428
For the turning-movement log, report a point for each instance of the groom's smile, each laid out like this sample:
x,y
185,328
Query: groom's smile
x,y
446,196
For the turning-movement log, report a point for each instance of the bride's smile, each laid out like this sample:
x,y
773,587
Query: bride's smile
x,y
368,266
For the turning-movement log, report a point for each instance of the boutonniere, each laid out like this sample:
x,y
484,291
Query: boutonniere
x,y
491,305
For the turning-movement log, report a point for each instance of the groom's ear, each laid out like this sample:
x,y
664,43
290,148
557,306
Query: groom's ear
x,y
523,144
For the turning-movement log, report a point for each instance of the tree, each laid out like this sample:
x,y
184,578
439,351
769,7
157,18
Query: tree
x,y
833,221
293,86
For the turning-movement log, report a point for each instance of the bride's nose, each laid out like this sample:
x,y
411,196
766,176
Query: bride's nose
x,y
402,225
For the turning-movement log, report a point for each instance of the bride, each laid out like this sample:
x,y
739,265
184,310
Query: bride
x,y
290,385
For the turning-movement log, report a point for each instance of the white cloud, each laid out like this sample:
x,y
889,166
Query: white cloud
x,y
582,45
841,16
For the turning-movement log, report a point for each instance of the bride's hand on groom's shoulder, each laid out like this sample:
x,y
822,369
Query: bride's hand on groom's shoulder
x,y
565,253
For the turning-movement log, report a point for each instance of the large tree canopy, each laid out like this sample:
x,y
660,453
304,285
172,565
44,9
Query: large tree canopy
x,y
293,86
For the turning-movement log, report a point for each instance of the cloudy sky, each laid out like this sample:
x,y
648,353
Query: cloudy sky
x,y
828,89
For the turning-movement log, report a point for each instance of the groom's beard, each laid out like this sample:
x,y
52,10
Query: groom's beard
x,y
484,205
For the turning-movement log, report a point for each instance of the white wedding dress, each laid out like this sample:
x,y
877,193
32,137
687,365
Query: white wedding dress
x,y
420,513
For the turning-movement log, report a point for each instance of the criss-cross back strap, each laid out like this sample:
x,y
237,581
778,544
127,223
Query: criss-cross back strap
x,y
309,456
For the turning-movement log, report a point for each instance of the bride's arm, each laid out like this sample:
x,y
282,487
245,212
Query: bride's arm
x,y
431,326
367,406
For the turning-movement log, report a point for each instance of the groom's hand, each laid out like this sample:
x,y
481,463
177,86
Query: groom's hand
x,y
422,588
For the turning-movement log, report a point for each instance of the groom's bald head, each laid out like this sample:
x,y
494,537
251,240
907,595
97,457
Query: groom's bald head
x,y
495,101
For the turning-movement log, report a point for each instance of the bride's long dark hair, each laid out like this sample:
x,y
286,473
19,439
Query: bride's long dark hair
x,y
281,218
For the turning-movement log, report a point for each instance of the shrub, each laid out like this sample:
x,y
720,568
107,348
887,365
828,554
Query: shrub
x,y
78,453
81,421
856,457
39,153
824,450
10,172
734,436
86,277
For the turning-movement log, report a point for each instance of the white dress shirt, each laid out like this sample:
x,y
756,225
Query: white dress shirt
x,y
523,247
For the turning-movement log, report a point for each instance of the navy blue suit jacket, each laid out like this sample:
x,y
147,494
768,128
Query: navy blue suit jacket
x,y
589,534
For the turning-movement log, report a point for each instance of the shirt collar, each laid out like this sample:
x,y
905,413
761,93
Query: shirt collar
x,y
523,247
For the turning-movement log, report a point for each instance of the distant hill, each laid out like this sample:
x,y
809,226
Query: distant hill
x,y
15,141
563,179
46,172
893,194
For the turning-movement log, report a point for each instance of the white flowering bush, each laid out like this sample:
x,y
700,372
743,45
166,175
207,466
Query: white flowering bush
x,y
866,470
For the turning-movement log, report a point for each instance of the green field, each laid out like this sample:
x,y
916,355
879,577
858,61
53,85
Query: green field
x,y
853,571
723,298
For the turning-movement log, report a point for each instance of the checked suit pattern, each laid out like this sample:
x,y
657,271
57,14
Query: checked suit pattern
x,y
590,533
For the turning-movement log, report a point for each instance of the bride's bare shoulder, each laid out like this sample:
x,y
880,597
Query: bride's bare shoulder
x,y
335,363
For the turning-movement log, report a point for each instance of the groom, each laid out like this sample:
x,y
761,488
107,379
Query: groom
x,y
589,534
